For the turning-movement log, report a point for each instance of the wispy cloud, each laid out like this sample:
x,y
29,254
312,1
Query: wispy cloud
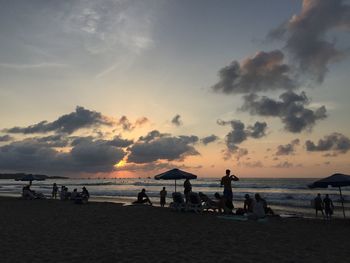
x,y
33,66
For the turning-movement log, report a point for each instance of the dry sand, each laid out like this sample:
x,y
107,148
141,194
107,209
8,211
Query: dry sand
x,y
55,231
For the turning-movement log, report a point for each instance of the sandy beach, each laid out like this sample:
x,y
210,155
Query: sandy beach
x,y
55,231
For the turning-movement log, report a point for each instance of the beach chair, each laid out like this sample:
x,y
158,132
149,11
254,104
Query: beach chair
x,y
178,203
194,203
208,204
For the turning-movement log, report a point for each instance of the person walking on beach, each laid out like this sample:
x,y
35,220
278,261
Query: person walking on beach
x,y
163,194
226,183
328,207
54,191
318,203
188,189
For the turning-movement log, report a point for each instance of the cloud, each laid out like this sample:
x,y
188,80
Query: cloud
x,y
32,66
176,120
117,141
41,155
157,146
257,164
287,149
154,166
284,165
126,125
209,139
335,142
265,71
69,123
239,134
290,109
5,138
306,35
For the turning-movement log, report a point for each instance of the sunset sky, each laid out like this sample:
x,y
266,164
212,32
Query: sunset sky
x,y
133,88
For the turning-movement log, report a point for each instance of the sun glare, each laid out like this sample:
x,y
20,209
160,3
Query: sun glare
x,y
121,163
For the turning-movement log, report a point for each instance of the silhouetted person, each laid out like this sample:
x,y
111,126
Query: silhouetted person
x,y
248,204
187,189
54,190
85,193
74,194
318,204
258,208
267,209
226,183
163,194
142,198
328,207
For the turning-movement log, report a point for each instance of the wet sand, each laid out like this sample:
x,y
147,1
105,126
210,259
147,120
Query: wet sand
x,y
55,231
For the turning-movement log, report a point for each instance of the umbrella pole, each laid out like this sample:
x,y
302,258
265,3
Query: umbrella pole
x,y
175,185
342,201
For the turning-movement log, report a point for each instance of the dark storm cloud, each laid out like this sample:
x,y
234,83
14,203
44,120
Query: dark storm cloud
x,y
176,120
209,139
69,123
40,155
5,138
306,34
290,109
157,146
263,72
335,142
287,149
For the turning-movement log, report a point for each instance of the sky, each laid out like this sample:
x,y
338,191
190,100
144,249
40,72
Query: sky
x,y
116,88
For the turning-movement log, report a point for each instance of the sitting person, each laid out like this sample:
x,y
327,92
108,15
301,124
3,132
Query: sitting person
x,y
30,194
27,193
267,209
258,210
85,194
248,204
74,195
142,198
63,193
222,204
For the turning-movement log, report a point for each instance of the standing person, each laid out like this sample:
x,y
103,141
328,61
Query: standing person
x,y
163,194
188,189
318,203
226,183
54,191
328,207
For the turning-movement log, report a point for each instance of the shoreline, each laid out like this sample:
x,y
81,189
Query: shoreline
x,y
299,212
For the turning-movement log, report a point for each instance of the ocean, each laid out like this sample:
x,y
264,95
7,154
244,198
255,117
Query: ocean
x,y
283,194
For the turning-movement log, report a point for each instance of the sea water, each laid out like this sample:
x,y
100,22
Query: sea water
x,y
284,194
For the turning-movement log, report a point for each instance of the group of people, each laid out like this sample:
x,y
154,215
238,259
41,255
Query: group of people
x,y
254,208
324,206
84,195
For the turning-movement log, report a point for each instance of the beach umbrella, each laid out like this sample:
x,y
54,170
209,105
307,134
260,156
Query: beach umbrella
x,y
336,180
30,178
175,174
